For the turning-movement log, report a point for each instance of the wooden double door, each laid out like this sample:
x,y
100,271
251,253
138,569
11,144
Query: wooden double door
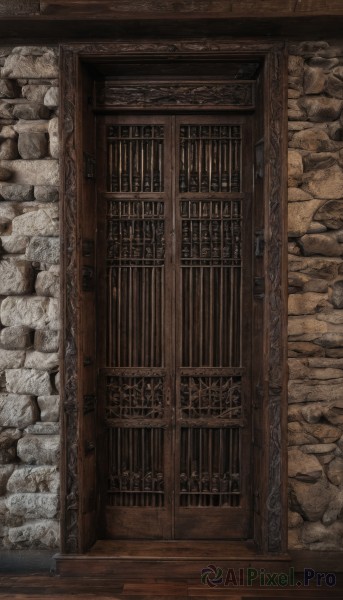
x,y
174,326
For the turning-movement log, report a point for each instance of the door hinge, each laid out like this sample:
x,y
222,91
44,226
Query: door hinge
x,y
259,242
87,248
87,279
257,401
89,446
259,159
257,502
89,166
259,288
89,403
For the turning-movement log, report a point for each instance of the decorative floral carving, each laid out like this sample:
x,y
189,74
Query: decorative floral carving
x,y
276,303
235,94
69,257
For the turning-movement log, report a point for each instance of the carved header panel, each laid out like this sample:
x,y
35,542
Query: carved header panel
x,y
177,95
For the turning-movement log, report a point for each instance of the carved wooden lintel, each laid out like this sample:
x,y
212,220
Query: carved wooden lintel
x,y
167,94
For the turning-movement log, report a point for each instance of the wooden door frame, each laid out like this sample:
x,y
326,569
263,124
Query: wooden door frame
x,y
78,211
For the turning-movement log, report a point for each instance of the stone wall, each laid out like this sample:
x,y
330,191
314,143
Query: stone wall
x,y
316,296
29,290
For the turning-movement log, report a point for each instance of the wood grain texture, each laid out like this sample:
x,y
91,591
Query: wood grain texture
x,y
229,8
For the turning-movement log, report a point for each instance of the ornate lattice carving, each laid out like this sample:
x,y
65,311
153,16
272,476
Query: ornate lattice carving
x,y
135,258
211,232
136,158
134,397
210,158
230,94
136,233
210,467
136,475
203,397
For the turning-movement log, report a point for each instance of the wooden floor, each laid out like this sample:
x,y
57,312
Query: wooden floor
x,y
38,586
32,576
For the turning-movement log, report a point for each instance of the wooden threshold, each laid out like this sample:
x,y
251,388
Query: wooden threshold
x,y
163,560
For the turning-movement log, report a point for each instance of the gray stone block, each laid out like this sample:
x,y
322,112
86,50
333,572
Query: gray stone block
x,y
49,408
5,473
33,479
54,138
48,283
24,66
28,381
15,277
46,340
8,149
32,145
16,193
35,312
39,449
38,126
41,534
7,456
6,110
9,210
51,97
321,109
43,429
14,244
35,92
41,360
5,173
33,506
17,411
15,338
8,89
46,250
9,438
31,172
42,222
46,193
11,359
31,111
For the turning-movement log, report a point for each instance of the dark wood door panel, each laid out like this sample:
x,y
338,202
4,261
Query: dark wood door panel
x,y
175,299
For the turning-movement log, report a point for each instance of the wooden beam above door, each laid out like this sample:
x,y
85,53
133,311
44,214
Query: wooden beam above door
x,y
246,8
57,20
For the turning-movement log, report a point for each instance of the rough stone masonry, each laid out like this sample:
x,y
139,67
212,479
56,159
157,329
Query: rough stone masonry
x,y
29,290
29,295
315,296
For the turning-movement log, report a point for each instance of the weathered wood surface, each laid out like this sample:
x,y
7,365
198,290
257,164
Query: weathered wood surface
x,y
36,587
99,9
248,8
